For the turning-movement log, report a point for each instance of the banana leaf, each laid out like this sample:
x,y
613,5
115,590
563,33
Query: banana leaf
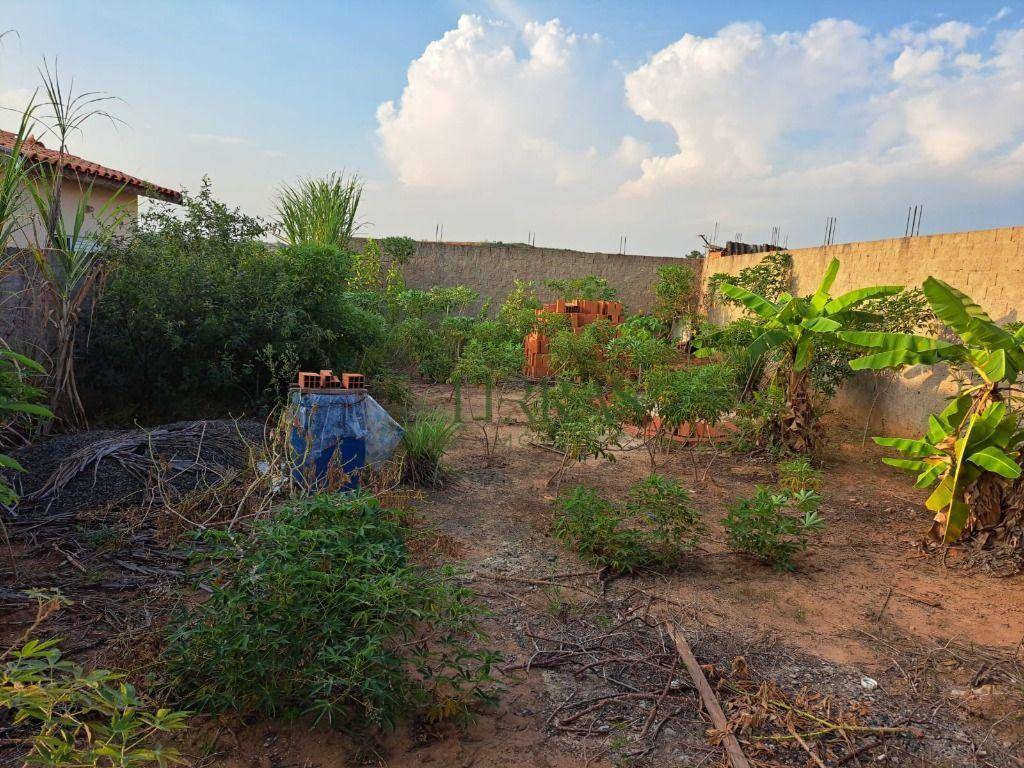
x,y
751,301
917,448
821,297
995,460
852,298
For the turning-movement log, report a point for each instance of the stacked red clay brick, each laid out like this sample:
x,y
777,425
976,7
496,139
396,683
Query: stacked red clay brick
x,y
580,312
327,380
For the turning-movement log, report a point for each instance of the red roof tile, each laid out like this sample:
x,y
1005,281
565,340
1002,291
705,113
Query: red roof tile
x,y
35,152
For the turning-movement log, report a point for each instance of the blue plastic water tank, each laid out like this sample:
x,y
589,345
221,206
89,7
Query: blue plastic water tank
x,y
328,439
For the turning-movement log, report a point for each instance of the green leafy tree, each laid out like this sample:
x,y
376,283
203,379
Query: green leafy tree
x,y
489,359
676,291
791,328
689,396
638,345
972,448
587,287
577,420
578,354
519,310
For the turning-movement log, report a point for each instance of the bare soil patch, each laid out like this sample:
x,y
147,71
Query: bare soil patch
x,y
590,679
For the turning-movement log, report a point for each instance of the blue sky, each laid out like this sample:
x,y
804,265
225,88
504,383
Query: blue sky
x,y
580,121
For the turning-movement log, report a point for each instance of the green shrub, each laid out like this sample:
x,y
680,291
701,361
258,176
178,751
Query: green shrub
x,y
654,528
596,529
759,423
689,395
767,526
574,419
666,507
318,611
425,442
19,406
586,287
428,328
85,719
320,211
198,314
798,475
579,355
677,291
640,344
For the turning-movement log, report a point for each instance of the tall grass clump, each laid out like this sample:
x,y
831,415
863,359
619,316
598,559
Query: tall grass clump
x,y
425,442
320,211
318,611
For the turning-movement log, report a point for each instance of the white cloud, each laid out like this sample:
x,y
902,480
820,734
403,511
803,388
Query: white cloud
x,y
953,33
528,122
1001,14
489,103
734,98
914,63
749,108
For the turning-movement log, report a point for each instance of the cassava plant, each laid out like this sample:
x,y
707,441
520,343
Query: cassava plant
x,y
83,719
319,611
674,398
972,449
576,420
489,359
773,526
792,327
657,525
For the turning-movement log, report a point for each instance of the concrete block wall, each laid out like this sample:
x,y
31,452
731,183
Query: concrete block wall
x,y
491,269
987,265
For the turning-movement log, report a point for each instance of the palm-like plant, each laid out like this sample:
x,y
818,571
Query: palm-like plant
x,y
67,252
70,268
973,447
792,326
13,174
320,211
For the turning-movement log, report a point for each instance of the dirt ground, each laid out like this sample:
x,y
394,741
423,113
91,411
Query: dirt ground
x,y
919,655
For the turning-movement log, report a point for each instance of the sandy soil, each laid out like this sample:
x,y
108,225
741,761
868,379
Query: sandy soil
x,y
942,640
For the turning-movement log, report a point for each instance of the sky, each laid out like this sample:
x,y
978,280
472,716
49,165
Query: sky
x,y
581,122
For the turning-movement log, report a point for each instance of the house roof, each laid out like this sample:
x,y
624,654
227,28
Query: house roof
x,y
35,152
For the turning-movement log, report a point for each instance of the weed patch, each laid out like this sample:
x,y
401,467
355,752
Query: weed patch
x,y
319,612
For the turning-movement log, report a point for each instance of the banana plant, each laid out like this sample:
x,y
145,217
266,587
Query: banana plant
x,y
961,445
994,353
976,441
793,325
